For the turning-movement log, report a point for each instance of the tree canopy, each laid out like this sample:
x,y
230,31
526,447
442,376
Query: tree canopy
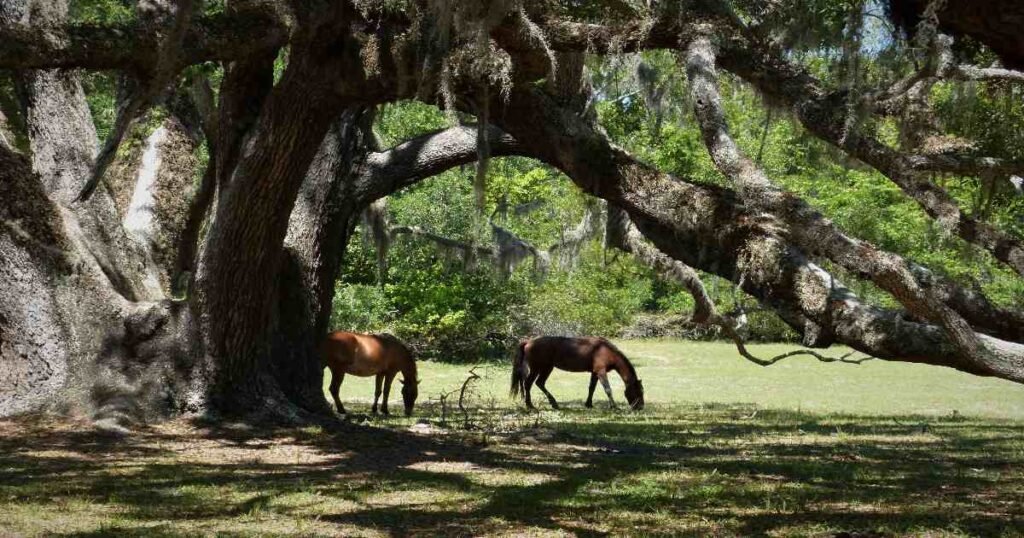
x,y
182,178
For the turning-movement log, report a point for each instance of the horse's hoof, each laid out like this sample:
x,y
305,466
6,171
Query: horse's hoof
x,y
588,405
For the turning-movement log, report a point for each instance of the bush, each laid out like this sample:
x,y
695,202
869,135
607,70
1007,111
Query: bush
x,y
592,299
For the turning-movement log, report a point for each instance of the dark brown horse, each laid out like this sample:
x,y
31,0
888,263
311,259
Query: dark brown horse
x,y
364,355
536,358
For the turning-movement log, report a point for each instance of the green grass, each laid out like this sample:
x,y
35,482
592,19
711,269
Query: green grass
x,y
698,373
724,448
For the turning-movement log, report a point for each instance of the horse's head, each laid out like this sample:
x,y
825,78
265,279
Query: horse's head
x,y
410,390
635,394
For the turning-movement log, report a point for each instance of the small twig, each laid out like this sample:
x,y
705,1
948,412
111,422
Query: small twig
x,y
462,393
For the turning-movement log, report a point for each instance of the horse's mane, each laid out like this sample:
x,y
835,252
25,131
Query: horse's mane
x,y
625,360
392,339
388,337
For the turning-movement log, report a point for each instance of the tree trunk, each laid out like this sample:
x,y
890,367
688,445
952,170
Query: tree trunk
x,y
319,229
237,280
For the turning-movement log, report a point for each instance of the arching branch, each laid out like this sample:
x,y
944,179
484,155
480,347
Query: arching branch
x,y
808,228
709,229
389,171
823,114
629,239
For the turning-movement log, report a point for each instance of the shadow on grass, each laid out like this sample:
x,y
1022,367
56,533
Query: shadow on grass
x,y
670,471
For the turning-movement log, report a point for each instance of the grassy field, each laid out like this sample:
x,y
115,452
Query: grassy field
x,y
698,373
725,448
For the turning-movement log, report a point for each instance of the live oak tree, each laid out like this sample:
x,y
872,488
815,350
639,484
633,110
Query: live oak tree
x,y
137,284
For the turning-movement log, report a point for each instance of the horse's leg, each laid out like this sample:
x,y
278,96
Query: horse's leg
x,y
388,378
590,391
336,379
541,380
529,385
603,376
376,392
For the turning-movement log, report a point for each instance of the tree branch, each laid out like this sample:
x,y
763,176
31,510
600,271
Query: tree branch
x,y
167,21
131,47
446,242
629,239
508,250
708,228
965,164
810,229
389,171
823,115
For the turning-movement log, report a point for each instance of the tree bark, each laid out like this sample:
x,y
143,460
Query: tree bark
x,y
237,277
319,229
709,229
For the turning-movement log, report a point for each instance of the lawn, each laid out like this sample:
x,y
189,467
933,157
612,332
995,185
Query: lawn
x,y
724,448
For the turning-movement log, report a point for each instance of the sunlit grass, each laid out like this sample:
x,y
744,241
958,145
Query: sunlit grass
x,y
724,448
677,372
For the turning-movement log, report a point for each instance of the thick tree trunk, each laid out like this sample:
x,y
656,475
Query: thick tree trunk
x,y
85,325
34,341
321,223
237,280
68,340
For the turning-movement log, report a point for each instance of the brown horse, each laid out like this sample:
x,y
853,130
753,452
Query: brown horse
x,y
536,358
364,355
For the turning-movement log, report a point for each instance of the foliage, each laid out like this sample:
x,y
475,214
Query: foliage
x,y
594,298
430,297
460,311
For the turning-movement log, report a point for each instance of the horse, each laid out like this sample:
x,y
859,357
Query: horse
x,y
364,355
536,358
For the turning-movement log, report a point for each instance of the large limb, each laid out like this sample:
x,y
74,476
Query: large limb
x,y
708,228
391,170
812,231
824,114
158,209
202,195
235,34
817,233
627,238
245,87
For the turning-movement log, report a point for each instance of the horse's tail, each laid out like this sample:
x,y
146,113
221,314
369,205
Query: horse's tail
x,y
519,371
